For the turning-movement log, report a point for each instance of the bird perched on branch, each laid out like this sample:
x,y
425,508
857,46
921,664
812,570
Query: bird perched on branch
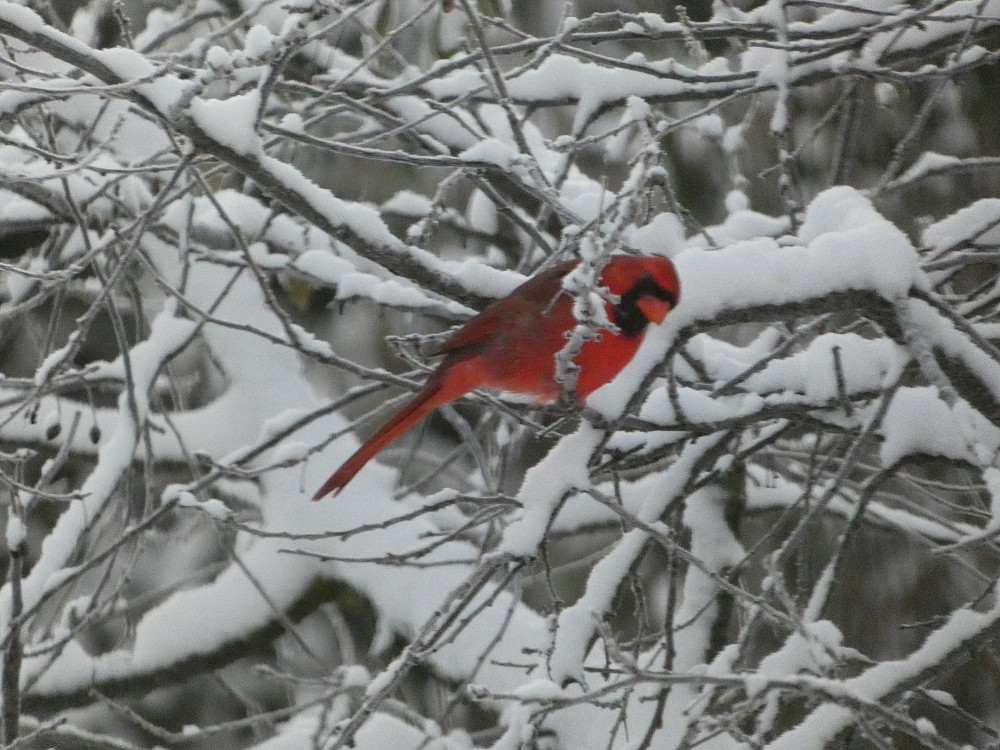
x,y
511,346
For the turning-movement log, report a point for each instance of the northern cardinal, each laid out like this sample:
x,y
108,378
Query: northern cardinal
x,y
511,346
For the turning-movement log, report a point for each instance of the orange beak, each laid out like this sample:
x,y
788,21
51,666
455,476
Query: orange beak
x,y
654,308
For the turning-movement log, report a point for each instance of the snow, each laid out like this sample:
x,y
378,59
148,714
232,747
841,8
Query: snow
x,y
943,697
750,260
991,476
367,224
713,545
350,284
866,364
354,676
905,427
382,730
168,334
483,213
218,57
491,151
825,722
408,203
188,623
845,244
163,90
259,42
577,623
561,77
230,122
886,94
928,163
801,652
544,487
293,123
28,20
16,532
664,235
769,492
847,16
55,358
540,690
942,26
216,509
969,222
980,438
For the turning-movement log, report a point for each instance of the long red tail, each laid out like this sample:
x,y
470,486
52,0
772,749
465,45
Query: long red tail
x,y
416,409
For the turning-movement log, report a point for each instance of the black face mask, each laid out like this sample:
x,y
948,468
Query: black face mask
x,y
628,317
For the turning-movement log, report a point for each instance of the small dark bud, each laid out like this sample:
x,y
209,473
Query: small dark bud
x,y
95,434
52,431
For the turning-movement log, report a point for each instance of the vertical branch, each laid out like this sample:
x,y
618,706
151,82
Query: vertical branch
x,y
788,183
10,677
13,654
842,157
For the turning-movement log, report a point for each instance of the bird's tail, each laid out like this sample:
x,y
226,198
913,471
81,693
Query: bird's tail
x,y
416,409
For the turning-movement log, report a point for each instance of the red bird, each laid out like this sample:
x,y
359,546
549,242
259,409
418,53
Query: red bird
x,y
511,346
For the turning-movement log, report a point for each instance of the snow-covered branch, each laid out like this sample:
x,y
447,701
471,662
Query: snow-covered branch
x,y
224,224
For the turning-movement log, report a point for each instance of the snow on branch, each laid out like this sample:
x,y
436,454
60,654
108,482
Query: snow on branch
x,y
224,225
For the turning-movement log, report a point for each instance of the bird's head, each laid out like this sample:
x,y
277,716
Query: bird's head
x,y
647,287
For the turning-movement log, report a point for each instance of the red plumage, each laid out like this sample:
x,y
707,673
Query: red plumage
x,y
511,346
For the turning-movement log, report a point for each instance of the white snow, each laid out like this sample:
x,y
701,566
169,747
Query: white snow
x,y
229,121
826,721
259,41
967,223
559,473
168,334
16,532
750,260
905,427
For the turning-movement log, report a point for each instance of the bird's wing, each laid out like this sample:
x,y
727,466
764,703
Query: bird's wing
x,y
521,307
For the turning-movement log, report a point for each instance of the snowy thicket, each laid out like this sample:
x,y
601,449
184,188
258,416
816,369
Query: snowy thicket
x,y
231,226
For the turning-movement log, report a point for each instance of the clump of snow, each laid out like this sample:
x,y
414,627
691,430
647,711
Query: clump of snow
x,y
482,213
663,235
979,220
559,473
812,651
408,203
16,532
886,94
55,358
162,89
737,200
218,57
904,428
491,151
540,690
865,364
943,697
577,623
292,122
354,676
231,121
928,30
259,42
927,163
213,507
845,245
710,126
